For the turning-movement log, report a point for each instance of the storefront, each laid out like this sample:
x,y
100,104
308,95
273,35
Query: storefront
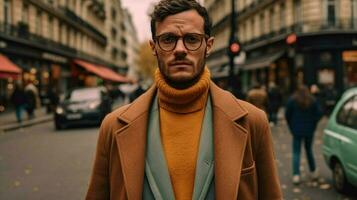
x,y
350,68
9,73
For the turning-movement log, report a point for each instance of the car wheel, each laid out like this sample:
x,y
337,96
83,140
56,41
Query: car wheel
x,y
339,178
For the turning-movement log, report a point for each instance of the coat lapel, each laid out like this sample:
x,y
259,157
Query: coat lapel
x,y
155,167
131,142
229,143
205,160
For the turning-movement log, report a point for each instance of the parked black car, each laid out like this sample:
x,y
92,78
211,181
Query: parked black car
x,y
83,106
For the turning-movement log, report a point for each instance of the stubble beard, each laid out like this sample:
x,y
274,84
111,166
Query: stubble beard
x,y
183,83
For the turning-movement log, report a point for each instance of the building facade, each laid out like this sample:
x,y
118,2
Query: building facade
x,y
62,44
131,43
289,42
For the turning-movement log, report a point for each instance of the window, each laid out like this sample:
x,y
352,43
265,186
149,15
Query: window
x,y
243,30
25,13
262,24
38,22
69,36
347,115
50,27
352,117
122,26
297,12
114,33
114,14
60,32
252,27
74,39
123,41
7,12
354,13
331,12
114,53
124,55
282,16
271,20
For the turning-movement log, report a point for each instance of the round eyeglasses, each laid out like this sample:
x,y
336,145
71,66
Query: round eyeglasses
x,y
191,41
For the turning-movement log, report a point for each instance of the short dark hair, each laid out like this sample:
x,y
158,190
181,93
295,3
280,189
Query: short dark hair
x,y
166,8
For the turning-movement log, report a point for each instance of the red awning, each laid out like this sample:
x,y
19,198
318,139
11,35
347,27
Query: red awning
x,y
102,72
113,75
8,69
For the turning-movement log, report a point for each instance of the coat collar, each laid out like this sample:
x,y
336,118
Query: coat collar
x,y
229,142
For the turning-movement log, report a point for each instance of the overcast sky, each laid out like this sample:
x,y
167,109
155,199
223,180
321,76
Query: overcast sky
x,y
139,10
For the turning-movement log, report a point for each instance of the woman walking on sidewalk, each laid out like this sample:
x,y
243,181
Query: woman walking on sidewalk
x,y
18,98
302,114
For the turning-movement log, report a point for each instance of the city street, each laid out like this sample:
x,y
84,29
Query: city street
x,y
307,190
38,162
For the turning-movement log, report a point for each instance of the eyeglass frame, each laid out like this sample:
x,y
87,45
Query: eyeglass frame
x,y
202,36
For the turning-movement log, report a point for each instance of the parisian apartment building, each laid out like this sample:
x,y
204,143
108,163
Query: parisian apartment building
x,y
62,44
287,42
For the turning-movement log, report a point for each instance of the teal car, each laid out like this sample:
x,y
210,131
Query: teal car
x,y
340,142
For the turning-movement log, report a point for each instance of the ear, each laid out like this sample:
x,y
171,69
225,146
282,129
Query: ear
x,y
153,49
209,45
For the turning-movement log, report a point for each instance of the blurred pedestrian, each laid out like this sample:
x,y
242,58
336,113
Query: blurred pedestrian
x,y
32,99
184,138
275,101
53,96
315,91
329,98
136,93
302,114
258,97
18,98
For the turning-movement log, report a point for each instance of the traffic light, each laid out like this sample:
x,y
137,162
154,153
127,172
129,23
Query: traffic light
x,y
234,48
291,39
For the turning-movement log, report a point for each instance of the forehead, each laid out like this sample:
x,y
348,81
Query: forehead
x,y
180,23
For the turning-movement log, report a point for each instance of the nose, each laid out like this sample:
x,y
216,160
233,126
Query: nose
x,y
180,47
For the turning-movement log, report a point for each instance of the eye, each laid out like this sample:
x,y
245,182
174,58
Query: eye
x,y
168,39
192,38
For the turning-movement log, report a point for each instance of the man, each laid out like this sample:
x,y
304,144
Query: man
x,y
184,138
258,97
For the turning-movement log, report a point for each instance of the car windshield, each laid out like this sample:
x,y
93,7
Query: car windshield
x,y
85,94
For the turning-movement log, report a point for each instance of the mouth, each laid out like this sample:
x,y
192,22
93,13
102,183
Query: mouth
x,y
179,63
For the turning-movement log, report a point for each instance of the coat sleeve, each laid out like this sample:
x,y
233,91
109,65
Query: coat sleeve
x,y
268,179
99,182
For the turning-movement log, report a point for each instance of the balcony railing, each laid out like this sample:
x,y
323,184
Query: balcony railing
x,y
311,27
71,15
21,32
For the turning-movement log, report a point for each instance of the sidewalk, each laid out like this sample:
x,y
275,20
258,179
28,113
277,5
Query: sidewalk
x,y
8,120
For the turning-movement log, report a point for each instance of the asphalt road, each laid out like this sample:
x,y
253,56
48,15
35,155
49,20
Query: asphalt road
x,y
308,189
38,163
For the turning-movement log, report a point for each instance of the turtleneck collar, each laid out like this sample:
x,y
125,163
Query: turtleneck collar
x,y
183,100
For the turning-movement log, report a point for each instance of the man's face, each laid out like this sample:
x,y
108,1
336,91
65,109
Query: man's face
x,y
180,66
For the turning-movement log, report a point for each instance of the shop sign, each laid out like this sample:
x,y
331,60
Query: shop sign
x,y
53,57
349,56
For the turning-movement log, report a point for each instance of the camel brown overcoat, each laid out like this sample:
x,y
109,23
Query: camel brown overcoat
x,y
244,165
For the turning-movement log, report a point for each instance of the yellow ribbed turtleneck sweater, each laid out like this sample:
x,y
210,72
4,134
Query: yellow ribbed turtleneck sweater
x,y
181,116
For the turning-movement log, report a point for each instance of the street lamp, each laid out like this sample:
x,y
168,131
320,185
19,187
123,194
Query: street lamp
x,y
234,47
